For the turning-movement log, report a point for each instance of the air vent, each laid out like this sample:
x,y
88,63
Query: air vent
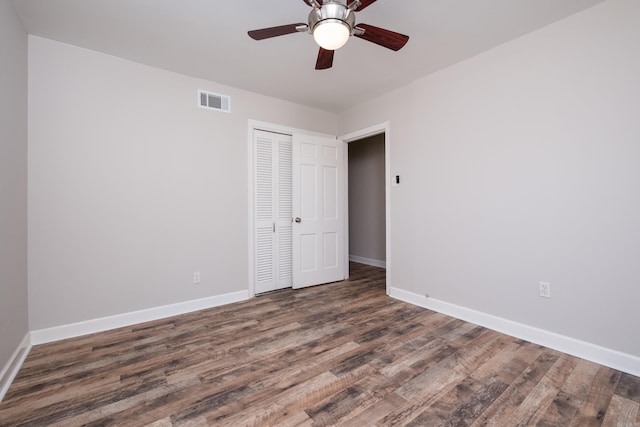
x,y
214,101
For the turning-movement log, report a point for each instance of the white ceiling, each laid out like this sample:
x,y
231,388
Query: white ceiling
x,y
208,39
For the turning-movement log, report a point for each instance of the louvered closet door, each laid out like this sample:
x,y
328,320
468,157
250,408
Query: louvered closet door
x,y
273,201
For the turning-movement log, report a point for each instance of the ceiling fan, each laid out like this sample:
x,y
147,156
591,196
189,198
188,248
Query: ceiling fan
x,y
332,22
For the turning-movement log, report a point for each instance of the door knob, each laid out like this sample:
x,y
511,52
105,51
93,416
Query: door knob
x,y
298,220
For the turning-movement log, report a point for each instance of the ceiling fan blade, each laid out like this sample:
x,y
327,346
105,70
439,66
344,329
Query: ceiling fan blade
x,y
311,4
325,59
363,4
266,33
382,37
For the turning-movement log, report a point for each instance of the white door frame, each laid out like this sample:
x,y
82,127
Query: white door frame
x,y
269,127
355,136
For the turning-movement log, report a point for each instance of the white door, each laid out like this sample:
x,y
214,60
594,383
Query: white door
x,y
318,211
273,211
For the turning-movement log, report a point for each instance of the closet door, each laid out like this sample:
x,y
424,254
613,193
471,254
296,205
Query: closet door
x,y
273,213
318,208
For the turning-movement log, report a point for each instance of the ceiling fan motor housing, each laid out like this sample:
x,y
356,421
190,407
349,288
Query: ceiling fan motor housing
x,y
332,11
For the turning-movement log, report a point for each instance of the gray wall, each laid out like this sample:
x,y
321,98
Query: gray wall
x,y
13,182
367,198
521,165
132,187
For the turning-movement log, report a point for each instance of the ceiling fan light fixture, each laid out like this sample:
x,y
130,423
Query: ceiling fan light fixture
x,y
332,22
331,34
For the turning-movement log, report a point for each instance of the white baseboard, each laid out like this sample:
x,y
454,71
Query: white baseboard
x,y
13,365
612,358
56,333
368,261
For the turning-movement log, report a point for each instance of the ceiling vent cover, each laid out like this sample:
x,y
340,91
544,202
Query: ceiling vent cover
x,y
214,101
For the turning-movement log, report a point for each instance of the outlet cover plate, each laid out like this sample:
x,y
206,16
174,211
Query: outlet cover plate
x,y
545,289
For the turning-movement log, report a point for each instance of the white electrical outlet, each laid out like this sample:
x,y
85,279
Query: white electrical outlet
x,y
545,289
196,277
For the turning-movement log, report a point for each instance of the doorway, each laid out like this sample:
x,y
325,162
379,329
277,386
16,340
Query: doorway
x,y
384,130
366,177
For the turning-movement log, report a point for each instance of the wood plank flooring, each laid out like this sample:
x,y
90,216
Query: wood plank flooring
x,y
339,354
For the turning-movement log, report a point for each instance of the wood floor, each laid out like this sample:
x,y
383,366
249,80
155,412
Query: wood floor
x,y
338,354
